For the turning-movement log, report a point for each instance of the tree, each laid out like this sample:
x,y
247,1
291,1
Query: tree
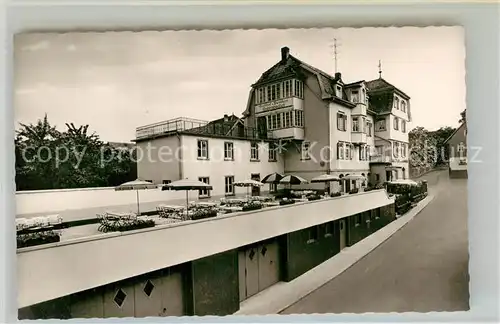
x,y
49,159
463,116
440,136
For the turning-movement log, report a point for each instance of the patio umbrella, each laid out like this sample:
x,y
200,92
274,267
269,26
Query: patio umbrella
x,y
248,184
325,178
293,180
136,185
186,184
272,178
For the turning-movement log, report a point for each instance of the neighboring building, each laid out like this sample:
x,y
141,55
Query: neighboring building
x,y
219,152
457,143
122,146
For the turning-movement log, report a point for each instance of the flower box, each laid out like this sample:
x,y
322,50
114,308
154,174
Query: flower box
x,y
25,240
252,206
204,213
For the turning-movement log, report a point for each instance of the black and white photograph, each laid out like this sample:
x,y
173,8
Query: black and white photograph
x,y
241,172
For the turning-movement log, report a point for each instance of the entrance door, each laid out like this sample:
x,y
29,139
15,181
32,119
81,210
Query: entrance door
x,y
172,297
268,265
347,185
251,271
388,176
342,234
255,190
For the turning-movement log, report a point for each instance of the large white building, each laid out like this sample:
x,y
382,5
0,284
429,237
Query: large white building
x,y
298,120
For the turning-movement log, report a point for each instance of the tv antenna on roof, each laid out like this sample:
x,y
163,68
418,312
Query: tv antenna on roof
x,y
379,69
335,53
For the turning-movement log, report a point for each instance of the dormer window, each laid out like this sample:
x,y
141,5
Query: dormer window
x,y
355,96
338,91
396,103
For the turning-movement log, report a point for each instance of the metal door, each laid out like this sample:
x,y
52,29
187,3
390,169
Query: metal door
x,y
119,301
251,271
268,265
172,295
148,297
242,275
342,234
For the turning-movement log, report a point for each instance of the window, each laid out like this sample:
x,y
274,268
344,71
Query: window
x,y
355,96
278,91
338,91
368,128
396,103
272,152
288,88
268,93
305,151
254,151
274,122
341,122
262,95
299,88
352,151
269,124
364,97
403,126
347,150
340,150
396,123
403,150
395,150
166,181
202,149
279,120
355,124
273,92
362,153
288,119
228,151
328,229
367,153
299,118
229,187
204,192
381,125
313,234
403,106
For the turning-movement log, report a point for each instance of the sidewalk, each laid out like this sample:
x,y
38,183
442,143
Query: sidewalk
x,y
284,294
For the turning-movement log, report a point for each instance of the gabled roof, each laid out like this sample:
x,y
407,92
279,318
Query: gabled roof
x,y
456,130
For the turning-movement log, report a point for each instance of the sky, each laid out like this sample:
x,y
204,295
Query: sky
x,y
117,81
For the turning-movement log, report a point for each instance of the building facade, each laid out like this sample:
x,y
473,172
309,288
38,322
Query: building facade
x,y
457,143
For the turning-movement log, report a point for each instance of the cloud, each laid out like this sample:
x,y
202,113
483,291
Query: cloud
x,y
43,45
71,48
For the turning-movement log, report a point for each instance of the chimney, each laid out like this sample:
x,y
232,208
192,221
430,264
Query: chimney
x,y
226,118
338,76
285,51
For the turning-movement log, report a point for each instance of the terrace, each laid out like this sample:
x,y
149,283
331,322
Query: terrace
x,y
116,261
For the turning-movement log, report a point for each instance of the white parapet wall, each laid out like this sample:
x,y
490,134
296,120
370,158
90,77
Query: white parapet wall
x,y
457,164
59,269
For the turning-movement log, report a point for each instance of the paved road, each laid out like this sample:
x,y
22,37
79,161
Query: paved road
x,y
422,268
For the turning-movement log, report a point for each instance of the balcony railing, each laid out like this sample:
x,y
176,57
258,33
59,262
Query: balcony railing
x,y
168,126
381,158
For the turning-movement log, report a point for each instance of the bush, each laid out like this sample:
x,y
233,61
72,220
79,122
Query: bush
x,y
335,194
204,213
252,206
112,226
313,197
354,191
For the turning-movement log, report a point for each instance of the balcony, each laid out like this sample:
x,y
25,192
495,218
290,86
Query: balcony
x,y
159,247
381,158
358,137
295,133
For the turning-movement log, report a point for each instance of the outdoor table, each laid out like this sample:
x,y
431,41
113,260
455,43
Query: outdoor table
x,y
120,215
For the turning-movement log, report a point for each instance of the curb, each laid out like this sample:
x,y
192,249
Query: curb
x,y
282,295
